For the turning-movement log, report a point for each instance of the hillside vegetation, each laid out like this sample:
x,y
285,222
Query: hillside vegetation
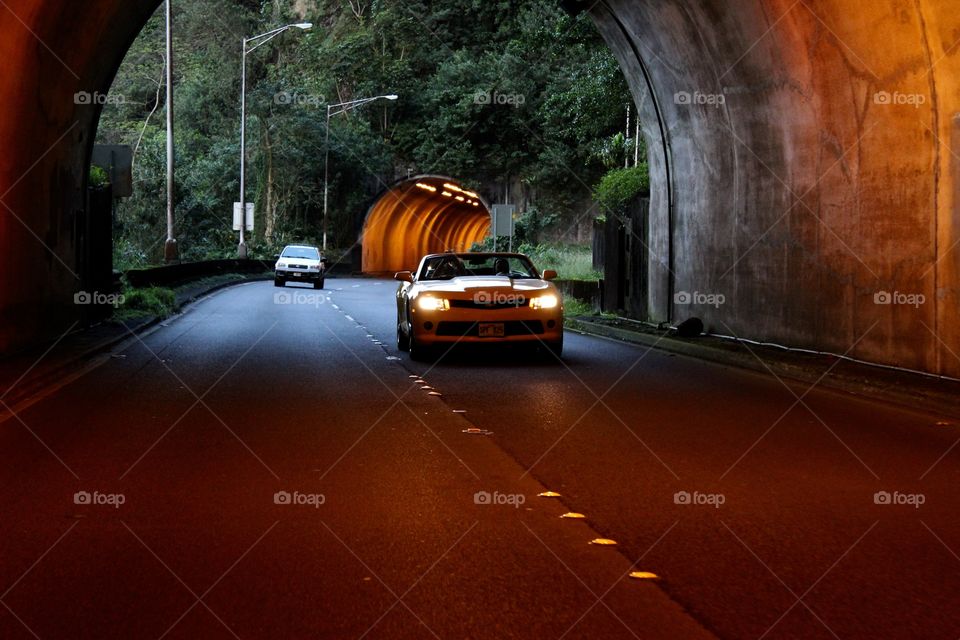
x,y
491,92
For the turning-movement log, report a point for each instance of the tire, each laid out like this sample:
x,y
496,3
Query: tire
x,y
555,348
318,284
279,282
403,341
418,353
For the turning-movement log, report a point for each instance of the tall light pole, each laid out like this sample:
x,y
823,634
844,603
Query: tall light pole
x,y
170,246
260,40
334,110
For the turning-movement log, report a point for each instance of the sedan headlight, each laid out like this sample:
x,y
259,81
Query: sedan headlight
x,y
544,302
429,303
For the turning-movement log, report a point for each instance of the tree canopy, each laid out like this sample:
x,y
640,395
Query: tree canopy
x,y
493,92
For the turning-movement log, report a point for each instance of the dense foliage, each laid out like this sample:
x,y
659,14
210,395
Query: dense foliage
x,y
620,186
493,92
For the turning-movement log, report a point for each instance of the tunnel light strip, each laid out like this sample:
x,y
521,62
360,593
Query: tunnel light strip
x,y
426,187
467,194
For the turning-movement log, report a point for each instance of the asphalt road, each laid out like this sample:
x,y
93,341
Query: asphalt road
x,y
191,439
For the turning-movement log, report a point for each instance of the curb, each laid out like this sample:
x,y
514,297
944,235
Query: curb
x,y
905,390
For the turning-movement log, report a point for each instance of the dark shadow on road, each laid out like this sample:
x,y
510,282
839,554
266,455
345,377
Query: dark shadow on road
x,y
512,356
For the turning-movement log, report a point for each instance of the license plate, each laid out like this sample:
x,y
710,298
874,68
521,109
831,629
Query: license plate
x,y
491,329
297,275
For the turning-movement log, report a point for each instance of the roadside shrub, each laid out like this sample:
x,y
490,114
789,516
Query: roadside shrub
x,y
156,301
618,187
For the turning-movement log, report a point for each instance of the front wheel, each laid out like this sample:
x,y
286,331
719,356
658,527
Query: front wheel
x,y
278,282
318,284
556,348
403,340
418,352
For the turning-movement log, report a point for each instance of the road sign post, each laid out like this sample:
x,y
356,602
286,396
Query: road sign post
x,y
502,220
237,217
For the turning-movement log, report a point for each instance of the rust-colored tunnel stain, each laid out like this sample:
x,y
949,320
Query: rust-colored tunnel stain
x,y
421,215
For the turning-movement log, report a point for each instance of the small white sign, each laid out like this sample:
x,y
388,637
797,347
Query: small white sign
x,y
501,222
237,216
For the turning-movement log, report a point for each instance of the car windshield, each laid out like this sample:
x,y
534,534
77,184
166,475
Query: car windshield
x,y
303,253
481,264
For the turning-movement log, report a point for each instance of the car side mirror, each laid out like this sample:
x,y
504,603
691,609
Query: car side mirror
x,y
549,274
276,257
403,276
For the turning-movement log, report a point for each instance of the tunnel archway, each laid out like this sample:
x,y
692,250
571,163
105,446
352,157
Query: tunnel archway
x,y
769,123
421,215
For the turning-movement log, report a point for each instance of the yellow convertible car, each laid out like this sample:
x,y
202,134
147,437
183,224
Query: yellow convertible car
x,y
477,298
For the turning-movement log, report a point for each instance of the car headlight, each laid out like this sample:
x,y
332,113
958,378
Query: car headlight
x,y
429,303
544,302
281,265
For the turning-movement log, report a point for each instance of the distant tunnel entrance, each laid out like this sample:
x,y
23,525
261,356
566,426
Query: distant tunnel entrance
x,y
421,215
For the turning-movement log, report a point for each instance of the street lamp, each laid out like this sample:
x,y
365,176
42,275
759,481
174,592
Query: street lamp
x,y
334,110
170,246
260,40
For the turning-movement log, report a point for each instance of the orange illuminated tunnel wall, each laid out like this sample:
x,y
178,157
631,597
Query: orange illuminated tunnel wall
x,y
426,214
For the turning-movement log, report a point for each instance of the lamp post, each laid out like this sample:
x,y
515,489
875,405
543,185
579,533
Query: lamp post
x,y
334,110
170,246
259,40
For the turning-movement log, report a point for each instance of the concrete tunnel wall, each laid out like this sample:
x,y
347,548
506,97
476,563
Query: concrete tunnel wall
x,y
49,51
804,159
826,174
408,221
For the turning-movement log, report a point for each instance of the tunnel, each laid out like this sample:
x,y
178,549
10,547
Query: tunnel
x,y
421,215
803,158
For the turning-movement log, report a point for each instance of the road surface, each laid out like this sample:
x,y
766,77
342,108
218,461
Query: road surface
x,y
269,468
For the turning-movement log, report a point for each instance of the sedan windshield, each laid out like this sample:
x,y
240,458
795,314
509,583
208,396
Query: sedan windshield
x,y
303,253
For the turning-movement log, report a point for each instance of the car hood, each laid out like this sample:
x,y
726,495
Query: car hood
x,y
469,285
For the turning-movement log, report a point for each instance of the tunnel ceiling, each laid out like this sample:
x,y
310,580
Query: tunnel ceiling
x,y
426,214
804,159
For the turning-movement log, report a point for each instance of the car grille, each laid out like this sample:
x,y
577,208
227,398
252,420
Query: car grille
x,y
471,304
298,266
512,328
